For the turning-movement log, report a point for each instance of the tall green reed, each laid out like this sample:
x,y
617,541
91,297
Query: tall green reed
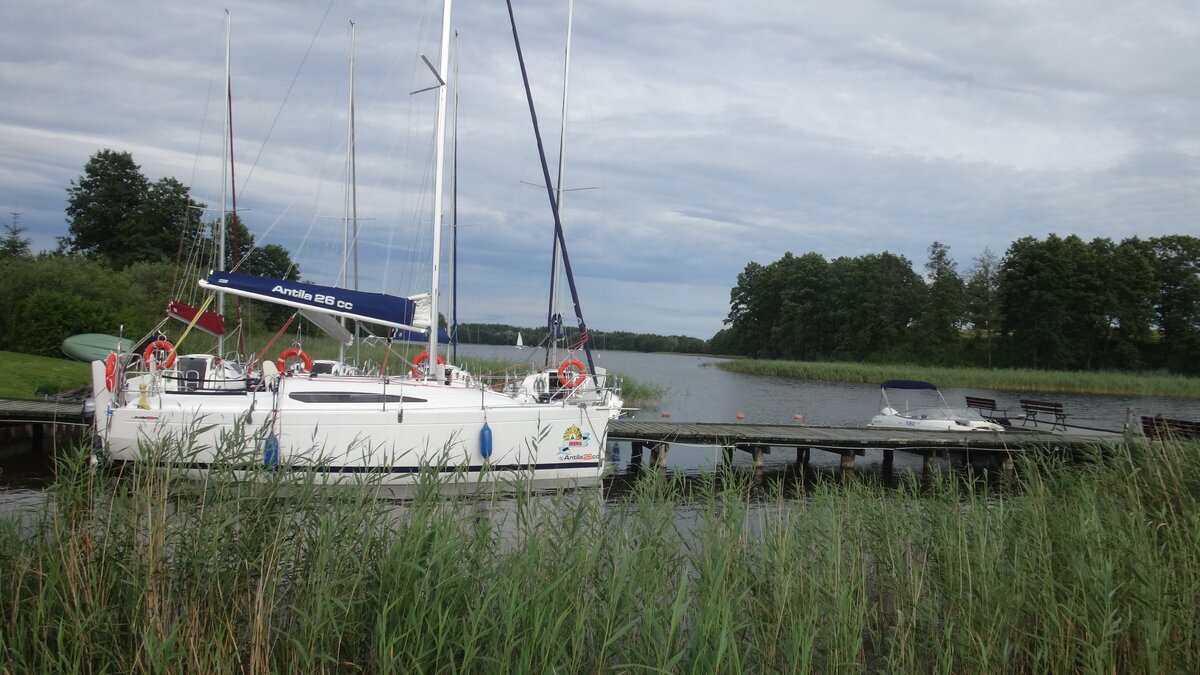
x,y
1068,566
1011,379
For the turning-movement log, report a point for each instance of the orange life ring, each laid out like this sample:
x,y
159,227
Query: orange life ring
x,y
568,366
148,355
419,359
289,353
110,371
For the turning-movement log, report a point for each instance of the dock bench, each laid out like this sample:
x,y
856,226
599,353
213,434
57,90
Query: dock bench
x,y
1035,409
1161,428
987,408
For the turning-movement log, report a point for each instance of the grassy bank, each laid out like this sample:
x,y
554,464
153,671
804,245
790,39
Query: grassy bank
x,y
28,376
1087,382
1090,568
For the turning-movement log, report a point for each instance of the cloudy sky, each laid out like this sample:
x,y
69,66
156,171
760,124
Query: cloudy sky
x,y
701,135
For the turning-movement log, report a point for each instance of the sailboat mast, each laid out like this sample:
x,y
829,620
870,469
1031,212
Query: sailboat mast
x,y
350,224
552,340
454,216
558,231
440,159
220,262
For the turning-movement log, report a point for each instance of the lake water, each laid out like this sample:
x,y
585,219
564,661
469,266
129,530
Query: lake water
x,y
696,391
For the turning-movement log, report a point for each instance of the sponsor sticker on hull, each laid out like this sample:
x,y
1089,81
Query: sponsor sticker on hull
x,y
575,445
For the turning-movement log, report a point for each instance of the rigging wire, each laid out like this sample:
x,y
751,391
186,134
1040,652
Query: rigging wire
x,y
291,86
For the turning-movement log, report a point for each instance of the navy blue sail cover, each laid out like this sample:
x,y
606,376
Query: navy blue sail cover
x,y
378,308
907,384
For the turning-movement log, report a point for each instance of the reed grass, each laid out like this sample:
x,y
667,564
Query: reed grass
x,y
1091,567
1004,379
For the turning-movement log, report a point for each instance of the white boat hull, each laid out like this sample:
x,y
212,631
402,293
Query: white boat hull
x,y
345,428
900,422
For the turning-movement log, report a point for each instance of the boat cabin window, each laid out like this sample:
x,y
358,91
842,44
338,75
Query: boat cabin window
x,y
322,369
352,397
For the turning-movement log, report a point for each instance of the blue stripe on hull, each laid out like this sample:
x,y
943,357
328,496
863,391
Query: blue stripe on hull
x,y
399,470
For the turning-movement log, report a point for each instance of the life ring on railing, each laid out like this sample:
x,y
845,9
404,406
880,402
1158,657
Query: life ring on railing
x,y
148,355
110,371
569,366
419,359
289,353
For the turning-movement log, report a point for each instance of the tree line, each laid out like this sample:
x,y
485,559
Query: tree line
x,y
504,334
1053,303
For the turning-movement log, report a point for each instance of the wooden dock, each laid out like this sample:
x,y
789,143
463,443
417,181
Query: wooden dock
x,y
849,442
26,411
35,420
32,418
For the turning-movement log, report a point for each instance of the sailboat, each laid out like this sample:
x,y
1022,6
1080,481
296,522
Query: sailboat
x,y
437,420
562,375
520,341
209,371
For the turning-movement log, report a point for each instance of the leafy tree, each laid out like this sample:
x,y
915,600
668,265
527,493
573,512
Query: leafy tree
x,y
1033,303
101,203
117,214
1056,301
874,298
12,244
752,312
1176,264
982,302
167,223
803,331
1126,302
938,328
1086,288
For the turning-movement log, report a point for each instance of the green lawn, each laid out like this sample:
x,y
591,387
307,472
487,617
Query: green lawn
x,y
27,376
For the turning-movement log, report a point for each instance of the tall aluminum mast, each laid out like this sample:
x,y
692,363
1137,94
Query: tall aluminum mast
x,y
440,155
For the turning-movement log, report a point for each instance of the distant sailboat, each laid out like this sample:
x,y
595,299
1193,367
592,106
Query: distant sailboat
x,y
520,342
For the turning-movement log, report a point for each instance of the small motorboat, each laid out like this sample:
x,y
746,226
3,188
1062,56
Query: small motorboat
x,y
931,414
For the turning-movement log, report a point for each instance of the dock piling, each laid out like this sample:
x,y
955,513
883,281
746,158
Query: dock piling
x,y
847,463
658,456
635,452
758,452
801,456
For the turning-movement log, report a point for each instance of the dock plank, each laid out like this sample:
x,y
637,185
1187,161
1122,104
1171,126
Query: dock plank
x,y
31,410
794,435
